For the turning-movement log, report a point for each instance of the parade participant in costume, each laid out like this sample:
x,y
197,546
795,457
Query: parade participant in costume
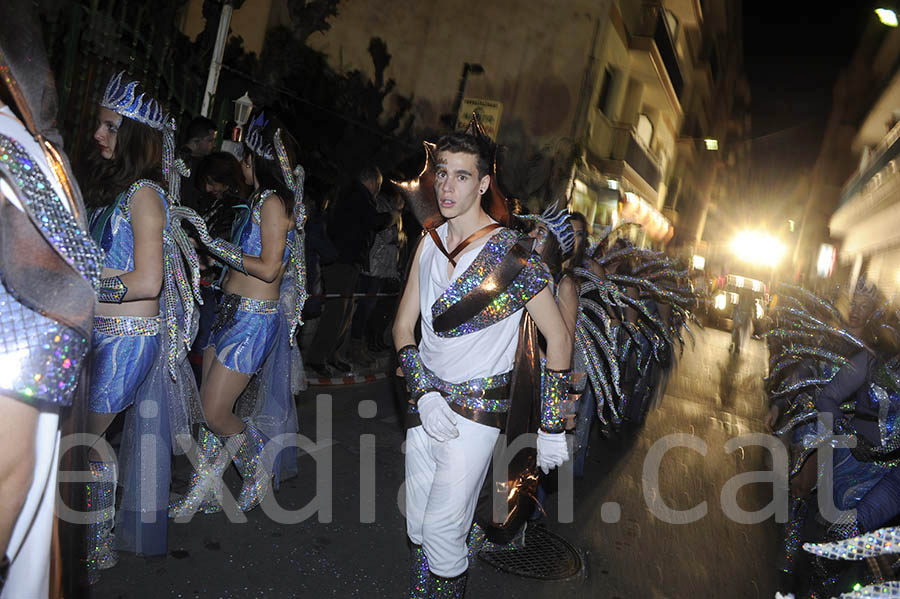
x,y
617,331
144,320
224,192
470,281
254,331
553,236
50,269
847,370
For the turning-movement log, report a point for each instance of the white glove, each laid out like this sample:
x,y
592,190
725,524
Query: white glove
x,y
438,420
552,450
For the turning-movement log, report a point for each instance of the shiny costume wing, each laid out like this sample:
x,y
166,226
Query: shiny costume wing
x,y
596,340
659,279
811,343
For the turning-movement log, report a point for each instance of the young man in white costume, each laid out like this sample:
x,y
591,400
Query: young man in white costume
x,y
470,281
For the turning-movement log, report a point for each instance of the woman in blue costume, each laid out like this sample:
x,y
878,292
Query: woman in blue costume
x,y
847,371
141,325
252,336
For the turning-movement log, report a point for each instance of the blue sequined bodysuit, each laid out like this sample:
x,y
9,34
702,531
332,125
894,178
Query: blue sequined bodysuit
x,y
111,227
248,234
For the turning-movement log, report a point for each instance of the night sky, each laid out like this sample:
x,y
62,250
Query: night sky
x,y
793,53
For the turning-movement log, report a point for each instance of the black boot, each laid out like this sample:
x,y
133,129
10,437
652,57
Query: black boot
x,y
418,573
447,588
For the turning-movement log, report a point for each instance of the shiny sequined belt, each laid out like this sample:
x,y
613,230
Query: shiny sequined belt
x,y
484,400
257,306
128,326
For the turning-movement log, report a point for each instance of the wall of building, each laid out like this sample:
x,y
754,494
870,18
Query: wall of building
x,y
534,55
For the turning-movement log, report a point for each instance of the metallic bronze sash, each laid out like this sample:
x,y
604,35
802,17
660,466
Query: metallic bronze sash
x,y
522,418
451,256
492,286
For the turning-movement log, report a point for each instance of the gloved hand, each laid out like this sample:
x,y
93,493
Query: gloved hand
x,y
226,252
552,450
438,420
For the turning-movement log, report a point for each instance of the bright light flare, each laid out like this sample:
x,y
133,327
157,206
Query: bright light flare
x,y
887,17
757,248
711,144
721,301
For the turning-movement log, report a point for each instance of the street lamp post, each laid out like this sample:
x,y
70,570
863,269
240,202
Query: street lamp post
x,y
473,68
215,65
243,106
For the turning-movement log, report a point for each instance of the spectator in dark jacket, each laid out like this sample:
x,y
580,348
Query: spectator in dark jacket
x,y
352,223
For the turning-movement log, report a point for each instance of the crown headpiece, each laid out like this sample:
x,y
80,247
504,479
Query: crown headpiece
x,y
255,138
557,220
863,290
122,98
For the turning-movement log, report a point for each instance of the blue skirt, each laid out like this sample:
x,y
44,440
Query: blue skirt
x,y
244,335
124,350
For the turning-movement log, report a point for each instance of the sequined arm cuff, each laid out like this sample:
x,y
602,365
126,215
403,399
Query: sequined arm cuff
x,y
419,379
554,388
111,290
231,255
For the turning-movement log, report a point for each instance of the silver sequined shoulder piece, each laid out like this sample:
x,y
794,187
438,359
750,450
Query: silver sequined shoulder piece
x,y
257,205
58,226
129,195
530,280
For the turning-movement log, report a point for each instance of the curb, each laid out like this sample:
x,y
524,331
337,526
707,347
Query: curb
x,y
345,380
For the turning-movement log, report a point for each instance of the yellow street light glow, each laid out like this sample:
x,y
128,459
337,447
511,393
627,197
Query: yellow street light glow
x,y
720,301
711,144
757,248
887,17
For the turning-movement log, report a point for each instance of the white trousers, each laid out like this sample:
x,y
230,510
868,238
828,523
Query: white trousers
x,y
29,546
443,481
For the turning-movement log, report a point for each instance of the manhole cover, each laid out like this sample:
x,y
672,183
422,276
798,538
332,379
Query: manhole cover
x,y
546,556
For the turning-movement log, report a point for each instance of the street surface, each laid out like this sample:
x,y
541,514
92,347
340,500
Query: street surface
x,y
360,550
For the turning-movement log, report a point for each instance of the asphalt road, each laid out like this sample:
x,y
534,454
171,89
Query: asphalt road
x,y
355,546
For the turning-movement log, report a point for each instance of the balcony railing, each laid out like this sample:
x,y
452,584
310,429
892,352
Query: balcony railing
x,y
886,150
630,149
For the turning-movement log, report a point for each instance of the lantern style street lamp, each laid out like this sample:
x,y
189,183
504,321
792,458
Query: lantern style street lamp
x,y
243,106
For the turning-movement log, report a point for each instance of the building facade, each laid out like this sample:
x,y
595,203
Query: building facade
x,y
603,102
856,181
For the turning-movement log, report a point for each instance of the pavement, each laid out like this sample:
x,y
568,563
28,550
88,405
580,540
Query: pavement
x,y
354,545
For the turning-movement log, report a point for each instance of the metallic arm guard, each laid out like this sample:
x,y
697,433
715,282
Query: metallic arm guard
x,y
554,389
111,290
418,377
230,254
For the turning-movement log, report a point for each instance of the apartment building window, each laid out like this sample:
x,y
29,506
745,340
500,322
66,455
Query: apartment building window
x,y
605,88
644,130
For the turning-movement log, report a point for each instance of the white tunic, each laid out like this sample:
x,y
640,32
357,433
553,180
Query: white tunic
x,y
488,352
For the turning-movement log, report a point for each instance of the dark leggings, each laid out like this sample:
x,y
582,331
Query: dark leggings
x,y
881,504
